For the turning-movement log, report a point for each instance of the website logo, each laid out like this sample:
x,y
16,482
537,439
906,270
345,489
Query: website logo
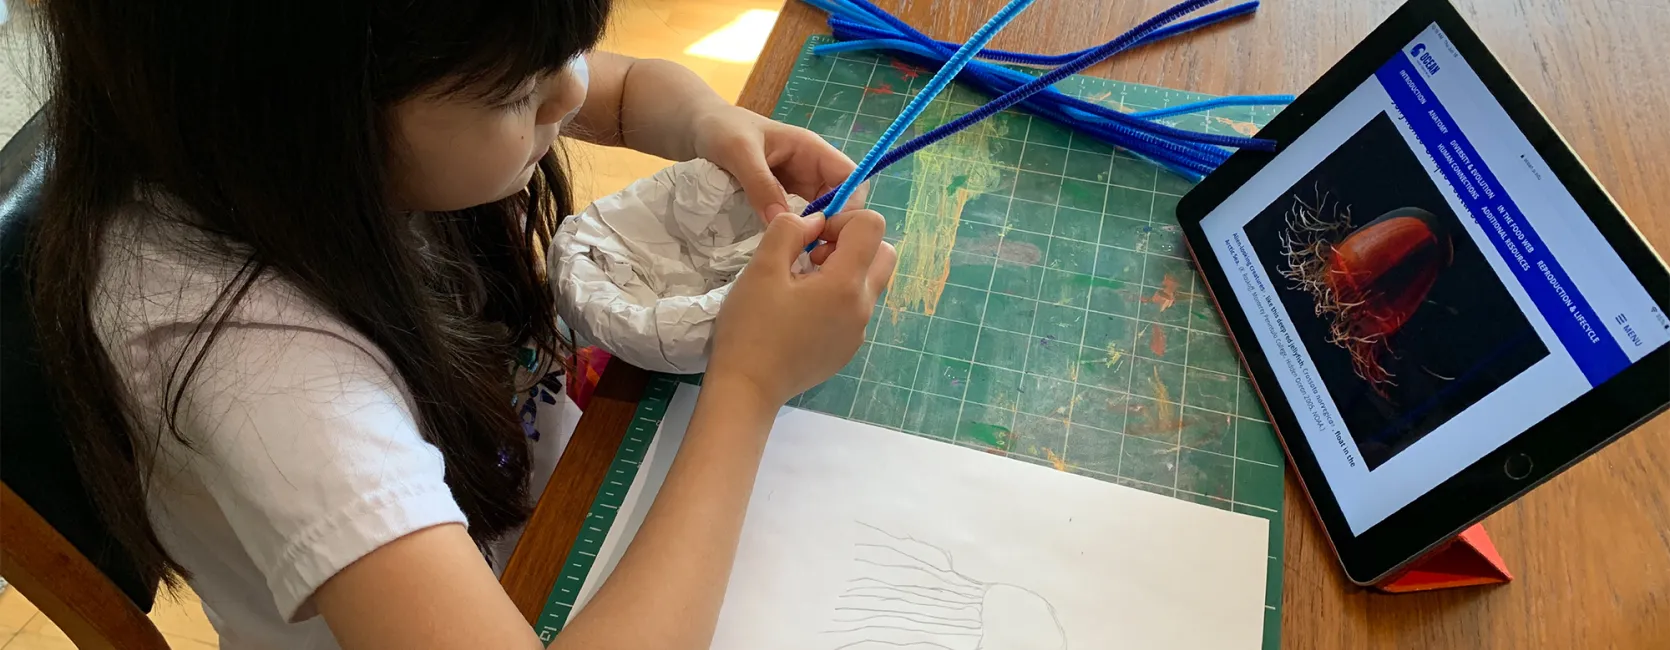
x,y
1425,58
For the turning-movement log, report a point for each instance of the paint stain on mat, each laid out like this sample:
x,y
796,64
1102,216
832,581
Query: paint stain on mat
x,y
1114,355
1243,128
879,89
1059,463
1105,98
1157,341
1166,295
990,435
1165,412
906,70
1163,420
947,175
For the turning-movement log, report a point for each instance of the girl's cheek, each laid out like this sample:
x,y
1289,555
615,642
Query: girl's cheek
x,y
564,102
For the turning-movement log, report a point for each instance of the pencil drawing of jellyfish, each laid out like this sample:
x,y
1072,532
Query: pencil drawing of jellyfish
x,y
909,594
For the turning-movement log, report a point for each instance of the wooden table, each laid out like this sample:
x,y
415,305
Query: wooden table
x,y
1590,550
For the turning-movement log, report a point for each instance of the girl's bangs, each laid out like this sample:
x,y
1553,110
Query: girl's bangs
x,y
491,49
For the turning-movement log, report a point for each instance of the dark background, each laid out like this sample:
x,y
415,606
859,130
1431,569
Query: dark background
x,y
1469,328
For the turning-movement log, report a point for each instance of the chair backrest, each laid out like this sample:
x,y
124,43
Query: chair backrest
x,y
36,465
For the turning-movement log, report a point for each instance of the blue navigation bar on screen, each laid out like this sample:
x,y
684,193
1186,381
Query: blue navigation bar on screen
x,y
1586,339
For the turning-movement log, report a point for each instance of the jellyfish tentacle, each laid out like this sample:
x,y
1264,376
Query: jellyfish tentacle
x,y
1366,281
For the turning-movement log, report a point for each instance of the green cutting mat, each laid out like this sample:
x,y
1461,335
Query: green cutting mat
x,y
1044,307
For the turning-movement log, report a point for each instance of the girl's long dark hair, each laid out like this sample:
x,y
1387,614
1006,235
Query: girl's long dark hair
x,y
270,122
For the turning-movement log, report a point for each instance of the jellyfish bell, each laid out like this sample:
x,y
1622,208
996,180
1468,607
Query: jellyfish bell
x,y
1013,618
1367,281
1385,269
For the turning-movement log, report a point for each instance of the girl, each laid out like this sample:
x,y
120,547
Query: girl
x,y
290,257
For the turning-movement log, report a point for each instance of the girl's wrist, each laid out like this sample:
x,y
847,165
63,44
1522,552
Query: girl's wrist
x,y
740,395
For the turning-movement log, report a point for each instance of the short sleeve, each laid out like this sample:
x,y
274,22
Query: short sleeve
x,y
308,447
581,69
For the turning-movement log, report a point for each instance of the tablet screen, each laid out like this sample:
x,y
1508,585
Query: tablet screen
x,y
1424,287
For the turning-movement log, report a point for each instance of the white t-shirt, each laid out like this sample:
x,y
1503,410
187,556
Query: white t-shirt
x,y
304,456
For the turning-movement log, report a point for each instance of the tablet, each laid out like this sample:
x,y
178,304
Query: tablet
x,y
1439,305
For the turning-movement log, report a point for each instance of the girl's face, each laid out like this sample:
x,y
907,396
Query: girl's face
x,y
458,152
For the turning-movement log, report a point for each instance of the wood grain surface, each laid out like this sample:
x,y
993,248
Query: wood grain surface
x,y
555,523
1590,550
67,588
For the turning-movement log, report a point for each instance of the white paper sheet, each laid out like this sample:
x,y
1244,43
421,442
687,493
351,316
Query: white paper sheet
x,y
858,537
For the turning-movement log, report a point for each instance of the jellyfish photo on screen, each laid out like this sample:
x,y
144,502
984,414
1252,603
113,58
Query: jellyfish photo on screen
x,y
1366,281
1402,315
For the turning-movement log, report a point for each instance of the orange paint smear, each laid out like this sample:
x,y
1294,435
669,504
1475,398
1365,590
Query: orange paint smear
x,y
1059,463
906,70
1166,295
1157,342
1243,128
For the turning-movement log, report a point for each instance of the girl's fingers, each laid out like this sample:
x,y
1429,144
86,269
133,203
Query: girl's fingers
x,y
808,165
820,254
839,223
785,237
857,236
831,236
761,187
881,270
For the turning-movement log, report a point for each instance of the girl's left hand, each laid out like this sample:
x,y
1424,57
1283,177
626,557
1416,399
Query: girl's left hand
x,y
769,157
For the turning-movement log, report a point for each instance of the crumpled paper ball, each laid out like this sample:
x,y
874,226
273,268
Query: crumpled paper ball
x,y
642,272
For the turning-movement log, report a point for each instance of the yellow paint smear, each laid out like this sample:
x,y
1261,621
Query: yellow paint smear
x,y
947,175
1167,409
1243,128
1114,355
1059,463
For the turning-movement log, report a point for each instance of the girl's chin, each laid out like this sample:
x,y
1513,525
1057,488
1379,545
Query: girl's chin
x,y
521,182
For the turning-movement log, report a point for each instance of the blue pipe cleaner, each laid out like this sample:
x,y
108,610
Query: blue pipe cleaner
x,y
1106,129
1101,52
1215,102
865,27
985,73
838,198
1013,97
1079,106
851,12
1077,119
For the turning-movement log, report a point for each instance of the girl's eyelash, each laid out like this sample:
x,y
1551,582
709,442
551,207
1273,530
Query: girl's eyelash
x,y
518,104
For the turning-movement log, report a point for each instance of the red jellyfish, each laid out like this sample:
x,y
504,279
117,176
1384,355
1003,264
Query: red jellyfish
x,y
1368,281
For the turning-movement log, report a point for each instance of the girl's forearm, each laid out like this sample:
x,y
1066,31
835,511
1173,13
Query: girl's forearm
x,y
643,104
667,588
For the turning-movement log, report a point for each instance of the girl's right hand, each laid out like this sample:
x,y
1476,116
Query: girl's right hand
x,y
780,332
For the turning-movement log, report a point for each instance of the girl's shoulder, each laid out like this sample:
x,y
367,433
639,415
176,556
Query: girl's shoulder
x,y
165,283
294,451
159,269
161,272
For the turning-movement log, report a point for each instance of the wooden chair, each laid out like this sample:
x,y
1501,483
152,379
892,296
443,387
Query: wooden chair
x,y
53,547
